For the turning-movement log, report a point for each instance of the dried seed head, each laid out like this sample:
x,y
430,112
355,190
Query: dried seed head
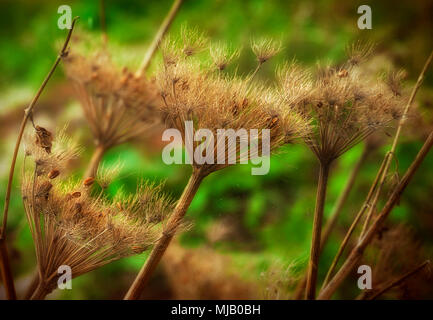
x,y
265,49
193,40
222,55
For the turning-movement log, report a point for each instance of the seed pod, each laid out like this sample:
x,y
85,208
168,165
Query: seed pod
x,y
44,138
343,73
76,194
53,173
88,181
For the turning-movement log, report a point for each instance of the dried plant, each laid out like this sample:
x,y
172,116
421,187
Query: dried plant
x,y
117,105
222,55
345,106
70,227
190,92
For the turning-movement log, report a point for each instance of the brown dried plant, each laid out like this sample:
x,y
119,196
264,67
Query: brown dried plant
x,y
117,105
192,92
71,227
346,106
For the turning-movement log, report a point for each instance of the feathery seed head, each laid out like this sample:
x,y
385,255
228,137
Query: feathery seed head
x,y
265,49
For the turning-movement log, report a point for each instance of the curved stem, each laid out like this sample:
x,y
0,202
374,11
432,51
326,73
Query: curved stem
x,y
158,37
313,265
358,251
97,156
173,223
4,260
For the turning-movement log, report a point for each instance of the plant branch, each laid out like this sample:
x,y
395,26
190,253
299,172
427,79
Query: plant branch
x,y
391,152
173,223
95,160
401,279
357,252
310,291
159,36
4,259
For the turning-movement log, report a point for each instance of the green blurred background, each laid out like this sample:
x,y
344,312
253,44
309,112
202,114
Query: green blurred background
x,y
250,234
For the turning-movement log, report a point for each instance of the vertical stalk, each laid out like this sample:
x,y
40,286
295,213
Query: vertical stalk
x,y
32,287
313,265
40,293
330,224
357,252
97,155
173,223
4,259
159,36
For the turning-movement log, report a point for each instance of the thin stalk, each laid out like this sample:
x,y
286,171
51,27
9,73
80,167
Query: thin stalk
x,y
400,280
173,223
357,252
394,143
330,224
353,225
158,37
32,287
4,258
40,293
310,291
95,160
102,22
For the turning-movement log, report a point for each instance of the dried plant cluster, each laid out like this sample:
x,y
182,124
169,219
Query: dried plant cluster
x,y
345,104
72,227
192,92
117,104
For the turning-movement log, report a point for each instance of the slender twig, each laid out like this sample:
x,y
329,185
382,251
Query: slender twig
x,y
102,22
4,259
331,222
400,280
97,156
310,291
173,223
32,286
358,251
374,192
391,152
158,37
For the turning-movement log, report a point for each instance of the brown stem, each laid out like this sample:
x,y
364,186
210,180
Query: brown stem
x,y
400,279
102,21
310,291
32,287
158,37
391,152
97,155
357,252
40,293
4,262
158,251
330,224
354,224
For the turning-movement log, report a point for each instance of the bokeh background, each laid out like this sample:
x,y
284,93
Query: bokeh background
x,y
251,234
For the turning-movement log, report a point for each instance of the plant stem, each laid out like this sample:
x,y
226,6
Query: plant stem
x,y
102,22
40,293
310,291
357,252
4,259
173,223
400,279
159,36
32,287
391,152
97,156
330,224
